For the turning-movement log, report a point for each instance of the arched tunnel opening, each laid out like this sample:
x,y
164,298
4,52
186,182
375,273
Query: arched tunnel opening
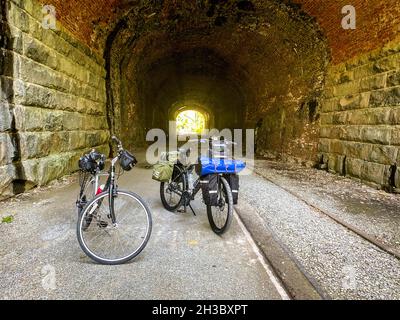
x,y
236,61
191,121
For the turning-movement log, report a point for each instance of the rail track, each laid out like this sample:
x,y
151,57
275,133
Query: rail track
x,y
333,217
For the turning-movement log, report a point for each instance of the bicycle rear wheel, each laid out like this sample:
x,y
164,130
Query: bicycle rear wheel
x,y
171,193
109,243
220,216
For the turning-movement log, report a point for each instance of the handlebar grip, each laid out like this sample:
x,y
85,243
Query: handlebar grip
x,y
115,139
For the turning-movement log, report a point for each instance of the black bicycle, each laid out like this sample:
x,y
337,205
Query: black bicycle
x,y
115,226
181,189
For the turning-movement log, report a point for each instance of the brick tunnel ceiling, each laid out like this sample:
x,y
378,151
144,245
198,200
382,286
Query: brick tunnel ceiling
x,y
237,59
376,24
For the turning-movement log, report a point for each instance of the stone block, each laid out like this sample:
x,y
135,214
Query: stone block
x,y
52,120
326,118
373,83
370,116
52,167
7,90
18,17
387,97
76,140
395,116
374,172
59,142
7,149
28,118
7,175
393,79
351,133
383,154
330,105
6,116
354,167
395,136
357,150
323,145
72,121
37,51
336,163
379,135
349,88
30,170
340,118
336,146
363,71
389,63
35,144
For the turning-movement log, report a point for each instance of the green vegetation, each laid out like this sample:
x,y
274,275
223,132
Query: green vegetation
x,y
7,219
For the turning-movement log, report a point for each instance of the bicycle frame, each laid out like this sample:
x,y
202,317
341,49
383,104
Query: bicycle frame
x,y
112,189
110,186
188,196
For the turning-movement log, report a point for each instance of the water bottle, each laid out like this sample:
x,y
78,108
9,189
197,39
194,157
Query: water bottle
x,y
100,189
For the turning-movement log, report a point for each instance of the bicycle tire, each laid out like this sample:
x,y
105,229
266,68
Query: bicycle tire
x,y
164,201
221,230
89,252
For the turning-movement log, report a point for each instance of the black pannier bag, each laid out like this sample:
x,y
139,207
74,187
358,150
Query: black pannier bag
x,y
127,160
233,180
209,188
91,162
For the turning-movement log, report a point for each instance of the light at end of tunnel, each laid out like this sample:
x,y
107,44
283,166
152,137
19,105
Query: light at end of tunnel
x,y
190,122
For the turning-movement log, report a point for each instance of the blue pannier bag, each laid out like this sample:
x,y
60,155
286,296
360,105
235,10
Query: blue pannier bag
x,y
208,165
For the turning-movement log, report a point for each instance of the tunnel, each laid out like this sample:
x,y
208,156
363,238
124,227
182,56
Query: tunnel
x,y
235,61
73,73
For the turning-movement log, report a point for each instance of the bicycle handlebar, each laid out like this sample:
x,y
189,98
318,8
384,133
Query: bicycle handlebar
x,y
118,142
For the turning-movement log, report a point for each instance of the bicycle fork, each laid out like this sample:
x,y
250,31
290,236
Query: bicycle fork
x,y
112,191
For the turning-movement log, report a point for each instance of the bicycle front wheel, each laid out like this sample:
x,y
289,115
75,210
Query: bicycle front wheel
x,y
220,216
114,243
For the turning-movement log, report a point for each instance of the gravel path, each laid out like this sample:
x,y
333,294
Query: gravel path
x,y
342,264
374,212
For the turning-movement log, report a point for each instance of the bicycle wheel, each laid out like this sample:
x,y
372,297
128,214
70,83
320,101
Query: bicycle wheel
x,y
107,243
220,216
171,193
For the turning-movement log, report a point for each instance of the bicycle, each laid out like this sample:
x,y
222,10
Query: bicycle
x,y
180,190
115,226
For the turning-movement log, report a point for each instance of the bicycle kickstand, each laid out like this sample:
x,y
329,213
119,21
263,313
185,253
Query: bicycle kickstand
x,y
191,208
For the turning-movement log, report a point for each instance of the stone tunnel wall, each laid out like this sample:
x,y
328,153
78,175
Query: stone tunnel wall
x,y
360,118
52,100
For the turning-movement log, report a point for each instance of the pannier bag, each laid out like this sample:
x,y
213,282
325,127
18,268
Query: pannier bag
x,y
127,160
209,188
162,171
92,162
208,165
233,180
